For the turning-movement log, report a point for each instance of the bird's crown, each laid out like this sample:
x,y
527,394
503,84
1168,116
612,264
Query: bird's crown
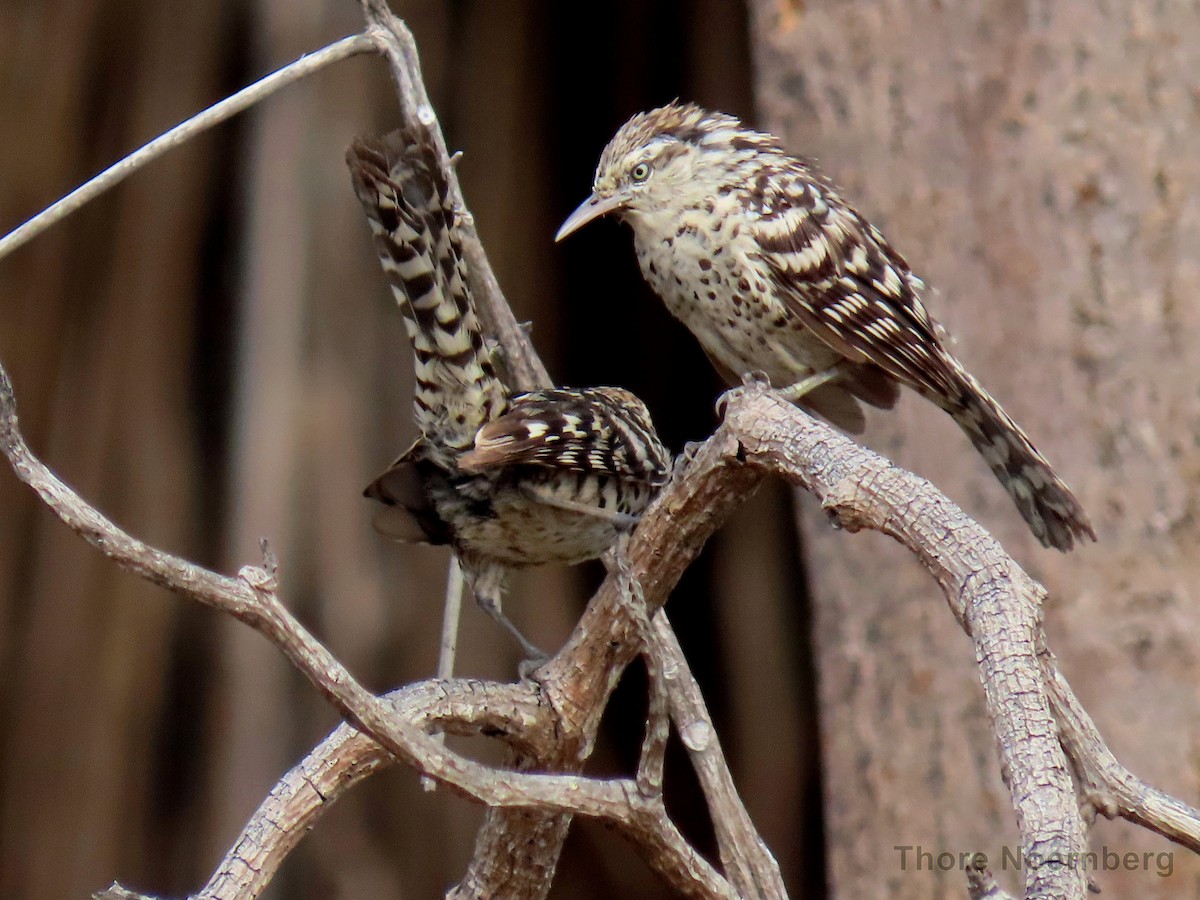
x,y
683,124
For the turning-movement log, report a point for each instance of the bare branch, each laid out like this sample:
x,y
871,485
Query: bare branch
x,y
252,598
182,133
1110,788
652,760
448,645
1035,715
748,863
994,600
115,892
987,592
858,485
658,727
512,704
463,706
453,607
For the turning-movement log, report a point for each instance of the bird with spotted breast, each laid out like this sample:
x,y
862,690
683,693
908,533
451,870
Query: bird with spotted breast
x,y
758,254
508,480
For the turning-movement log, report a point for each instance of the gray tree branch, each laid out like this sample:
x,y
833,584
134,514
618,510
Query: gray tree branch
x,y
1033,711
1042,731
252,598
517,850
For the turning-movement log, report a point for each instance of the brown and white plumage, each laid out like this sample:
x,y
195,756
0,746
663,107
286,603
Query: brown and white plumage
x,y
593,431
408,205
508,481
760,256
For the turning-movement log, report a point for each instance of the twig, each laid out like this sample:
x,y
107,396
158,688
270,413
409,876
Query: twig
x,y
652,760
674,692
747,861
995,602
448,650
760,434
510,712
993,599
184,132
1110,788
448,646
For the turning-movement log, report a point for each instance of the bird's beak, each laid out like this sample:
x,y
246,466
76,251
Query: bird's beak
x,y
592,208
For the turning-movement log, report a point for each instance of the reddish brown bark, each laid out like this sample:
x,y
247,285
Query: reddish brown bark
x,y
1036,164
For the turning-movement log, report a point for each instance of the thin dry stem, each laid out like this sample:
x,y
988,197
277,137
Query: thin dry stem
x,y
391,37
448,643
747,861
184,132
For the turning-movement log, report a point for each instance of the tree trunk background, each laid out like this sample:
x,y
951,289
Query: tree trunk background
x,y
210,354
1037,164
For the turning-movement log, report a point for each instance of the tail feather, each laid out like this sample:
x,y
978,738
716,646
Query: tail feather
x,y
407,512
1045,502
407,201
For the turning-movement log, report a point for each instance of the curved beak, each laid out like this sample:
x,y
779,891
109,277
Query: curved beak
x,y
592,208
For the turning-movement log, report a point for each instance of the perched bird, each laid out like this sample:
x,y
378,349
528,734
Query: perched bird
x,y
758,254
508,481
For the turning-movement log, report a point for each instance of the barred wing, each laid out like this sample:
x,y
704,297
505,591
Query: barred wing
x,y
601,431
842,279
837,273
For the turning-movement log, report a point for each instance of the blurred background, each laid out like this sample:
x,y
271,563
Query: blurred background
x,y
209,354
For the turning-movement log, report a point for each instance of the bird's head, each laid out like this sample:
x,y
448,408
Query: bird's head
x,y
664,160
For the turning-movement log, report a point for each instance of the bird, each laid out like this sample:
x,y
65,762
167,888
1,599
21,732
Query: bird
x,y
759,255
506,479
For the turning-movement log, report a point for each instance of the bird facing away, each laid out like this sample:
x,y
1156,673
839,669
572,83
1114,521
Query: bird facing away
x,y
761,258
508,481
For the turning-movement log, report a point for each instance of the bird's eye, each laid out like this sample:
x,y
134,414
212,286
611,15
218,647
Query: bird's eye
x,y
640,172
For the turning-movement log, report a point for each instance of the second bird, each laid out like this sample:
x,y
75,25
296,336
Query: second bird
x,y
761,258
509,480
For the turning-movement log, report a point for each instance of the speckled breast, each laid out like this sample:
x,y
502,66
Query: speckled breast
x,y
710,282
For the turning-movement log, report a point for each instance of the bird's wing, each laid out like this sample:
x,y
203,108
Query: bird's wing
x,y
838,274
602,431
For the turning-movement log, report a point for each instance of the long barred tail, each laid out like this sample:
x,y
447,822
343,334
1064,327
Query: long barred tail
x,y
406,198
1045,502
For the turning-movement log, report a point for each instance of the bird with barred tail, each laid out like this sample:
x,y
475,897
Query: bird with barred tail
x,y
509,481
761,258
